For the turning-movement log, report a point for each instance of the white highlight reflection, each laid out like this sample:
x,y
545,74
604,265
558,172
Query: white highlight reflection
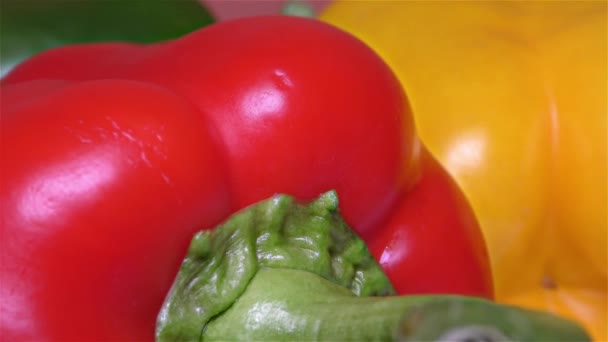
x,y
46,195
466,152
262,313
267,98
260,104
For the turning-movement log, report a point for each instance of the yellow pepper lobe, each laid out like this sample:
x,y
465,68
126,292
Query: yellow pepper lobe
x,y
511,96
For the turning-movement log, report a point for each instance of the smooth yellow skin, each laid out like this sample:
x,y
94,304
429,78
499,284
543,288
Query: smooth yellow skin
x,y
512,97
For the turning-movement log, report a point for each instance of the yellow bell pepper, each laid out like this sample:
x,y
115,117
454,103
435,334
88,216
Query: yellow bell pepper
x,y
512,98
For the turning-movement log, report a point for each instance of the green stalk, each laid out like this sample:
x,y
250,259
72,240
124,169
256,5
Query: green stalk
x,y
282,271
293,305
28,27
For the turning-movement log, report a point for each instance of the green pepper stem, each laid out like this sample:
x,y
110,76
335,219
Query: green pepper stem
x,y
287,304
298,9
280,270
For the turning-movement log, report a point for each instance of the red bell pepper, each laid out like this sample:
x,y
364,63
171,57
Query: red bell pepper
x,y
115,154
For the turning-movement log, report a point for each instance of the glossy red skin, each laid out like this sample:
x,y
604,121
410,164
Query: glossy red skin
x,y
422,246
103,184
303,108
325,141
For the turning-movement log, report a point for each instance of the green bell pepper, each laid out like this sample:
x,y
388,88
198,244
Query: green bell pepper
x,y
32,26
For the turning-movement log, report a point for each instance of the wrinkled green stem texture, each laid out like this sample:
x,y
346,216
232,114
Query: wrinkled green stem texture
x,y
284,271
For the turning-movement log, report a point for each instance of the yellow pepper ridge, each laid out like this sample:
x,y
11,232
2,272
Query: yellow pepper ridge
x,y
511,97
